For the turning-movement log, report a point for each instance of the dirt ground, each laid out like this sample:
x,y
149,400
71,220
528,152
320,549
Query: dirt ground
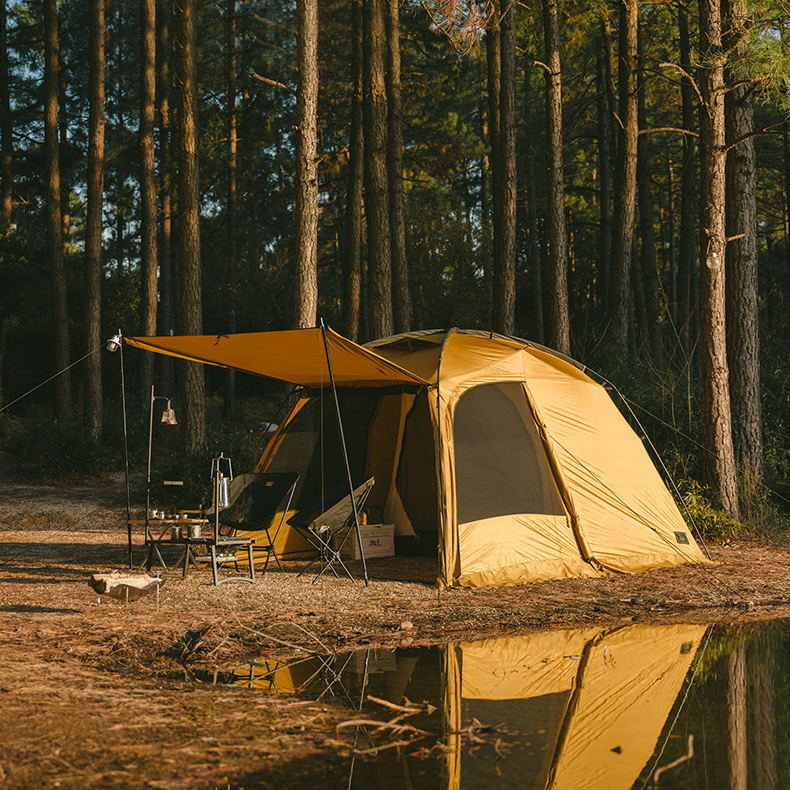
x,y
96,693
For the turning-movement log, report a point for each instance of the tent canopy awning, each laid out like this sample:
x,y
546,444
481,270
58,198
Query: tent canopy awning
x,y
297,356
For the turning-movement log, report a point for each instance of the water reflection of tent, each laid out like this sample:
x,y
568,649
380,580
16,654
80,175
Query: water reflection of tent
x,y
589,705
345,675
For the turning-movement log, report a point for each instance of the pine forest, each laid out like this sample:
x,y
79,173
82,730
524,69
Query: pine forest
x,y
608,179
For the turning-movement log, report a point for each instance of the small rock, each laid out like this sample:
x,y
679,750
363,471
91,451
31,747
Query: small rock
x,y
407,625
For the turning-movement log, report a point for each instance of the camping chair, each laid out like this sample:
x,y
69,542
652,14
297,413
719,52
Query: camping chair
x,y
255,501
328,529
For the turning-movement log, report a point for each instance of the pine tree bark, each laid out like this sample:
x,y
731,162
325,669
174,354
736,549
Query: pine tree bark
x,y
494,87
687,253
648,263
60,317
716,416
376,181
352,259
506,180
148,247
193,394
625,176
604,181
533,247
743,338
166,318
6,138
306,252
93,218
558,235
786,173
231,266
400,264
63,135
485,204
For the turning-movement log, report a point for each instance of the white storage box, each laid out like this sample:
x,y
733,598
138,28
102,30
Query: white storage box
x,y
378,540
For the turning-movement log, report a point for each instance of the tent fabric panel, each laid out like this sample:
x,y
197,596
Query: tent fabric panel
x,y
297,356
383,445
420,355
627,515
630,682
515,549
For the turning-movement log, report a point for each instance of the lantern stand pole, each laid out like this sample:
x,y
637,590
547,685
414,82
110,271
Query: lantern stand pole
x,y
126,460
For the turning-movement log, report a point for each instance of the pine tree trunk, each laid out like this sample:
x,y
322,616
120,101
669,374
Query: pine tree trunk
x,y
306,252
148,247
352,260
558,235
93,218
376,181
625,177
743,321
671,244
6,138
60,316
193,394
687,253
533,247
166,319
504,318
786,162
716,417
63,135
485,205
647,251
605,183
231,265
494,86
400,264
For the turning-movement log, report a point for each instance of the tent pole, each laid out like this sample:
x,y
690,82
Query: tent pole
x,y
442,558
126,458
345,452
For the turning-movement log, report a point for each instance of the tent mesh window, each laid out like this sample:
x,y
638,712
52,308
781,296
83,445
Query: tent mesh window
x,y
311,445
500,464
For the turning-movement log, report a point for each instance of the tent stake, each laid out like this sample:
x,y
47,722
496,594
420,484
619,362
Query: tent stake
x,y
345,452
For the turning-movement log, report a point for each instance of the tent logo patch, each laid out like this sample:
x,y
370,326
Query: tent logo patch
x,y
682,537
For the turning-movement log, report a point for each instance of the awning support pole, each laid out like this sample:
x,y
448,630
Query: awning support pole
x,y
126,459
345,452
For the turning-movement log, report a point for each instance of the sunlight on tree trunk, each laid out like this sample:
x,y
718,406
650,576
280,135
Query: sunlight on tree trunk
x,y
306,243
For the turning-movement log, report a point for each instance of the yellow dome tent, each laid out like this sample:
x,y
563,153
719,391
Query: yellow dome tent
x,y
505,454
